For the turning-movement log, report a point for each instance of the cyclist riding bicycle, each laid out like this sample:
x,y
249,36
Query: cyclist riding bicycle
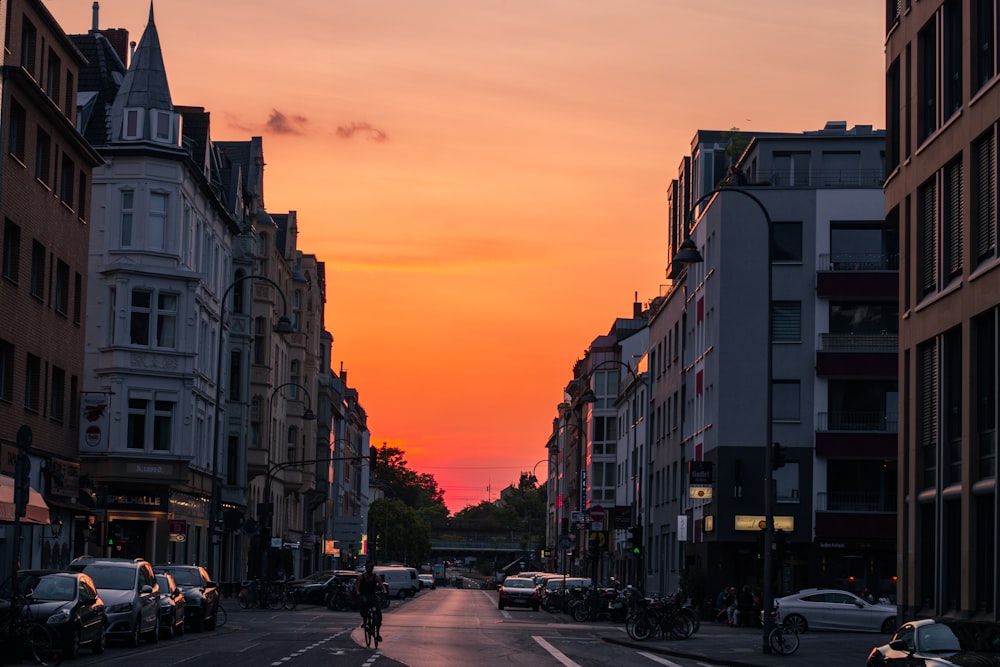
x,y
366,586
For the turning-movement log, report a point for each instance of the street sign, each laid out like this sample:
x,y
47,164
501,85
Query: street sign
x,y
577,517
597,515
565,542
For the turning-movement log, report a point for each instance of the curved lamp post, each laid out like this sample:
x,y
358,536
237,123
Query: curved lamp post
x,y
307,415
283,326
688,253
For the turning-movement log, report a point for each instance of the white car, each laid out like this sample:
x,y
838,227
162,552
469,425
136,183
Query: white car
x,y
831,609
426,581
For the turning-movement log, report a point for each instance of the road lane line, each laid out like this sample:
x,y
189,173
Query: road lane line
x,y
656,658
555,653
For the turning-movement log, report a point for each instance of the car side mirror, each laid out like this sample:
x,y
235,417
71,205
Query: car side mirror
x,y
146,589
212,584
899,645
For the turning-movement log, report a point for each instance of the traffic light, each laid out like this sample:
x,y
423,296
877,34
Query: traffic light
x,y
636,532
372,460
778,456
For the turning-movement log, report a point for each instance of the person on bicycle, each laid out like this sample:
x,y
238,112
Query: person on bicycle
x,y
366,586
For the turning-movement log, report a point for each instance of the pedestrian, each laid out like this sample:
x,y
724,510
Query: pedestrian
x,y
720,604
731,607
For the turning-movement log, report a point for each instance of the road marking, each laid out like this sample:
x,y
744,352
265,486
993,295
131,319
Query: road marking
x,y
555,653
656,658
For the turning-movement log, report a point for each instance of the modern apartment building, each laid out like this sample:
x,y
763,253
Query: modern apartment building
x,y
943,110
45,212
831,322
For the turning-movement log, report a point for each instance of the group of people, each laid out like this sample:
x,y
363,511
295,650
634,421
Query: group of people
x,y
737,607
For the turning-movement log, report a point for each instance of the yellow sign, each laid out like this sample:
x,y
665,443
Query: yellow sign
x,y
700,492
757,522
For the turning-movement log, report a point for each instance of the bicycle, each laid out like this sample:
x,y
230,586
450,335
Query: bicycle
x,y
220,616
21,632
783,639
373,625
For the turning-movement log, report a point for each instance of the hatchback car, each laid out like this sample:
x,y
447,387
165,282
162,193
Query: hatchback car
x,y
427,581
518,592
128,588
314,588
201,594
939,643
68,604
831,609
172,606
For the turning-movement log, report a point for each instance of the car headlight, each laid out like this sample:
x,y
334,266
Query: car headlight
x,y
61,616
120,608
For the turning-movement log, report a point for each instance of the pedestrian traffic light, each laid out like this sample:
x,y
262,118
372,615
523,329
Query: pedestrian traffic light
x,y
778,456
636,532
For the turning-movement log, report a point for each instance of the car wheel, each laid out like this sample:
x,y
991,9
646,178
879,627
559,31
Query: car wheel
x,y
73,651
889,626
169,632
179,628
101,643
797,623
153,635
500,606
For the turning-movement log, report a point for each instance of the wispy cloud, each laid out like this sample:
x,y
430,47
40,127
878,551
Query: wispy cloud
x,y
371,133
431,255
283,124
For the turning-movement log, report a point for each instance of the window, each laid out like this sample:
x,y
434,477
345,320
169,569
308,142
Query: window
x,y
43,158
128,201
939,68
952,58
786,483
235,375
951,410
927,82
77,297
951,214
785,401
864,319
786,321
6,371
984,197
62,287
927,229
37,269
81,207
161,125
164,315
69,104
786,241
791,169
605,389
57,395
860,246
984,45
150,427
18,131
132,124
53,76
296,308
157,230
927,412
295,371
67,180
32,383
29,46
985,345
893,116
11,250
259,340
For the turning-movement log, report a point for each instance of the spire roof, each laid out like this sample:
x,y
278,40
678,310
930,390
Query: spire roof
x,y
145,85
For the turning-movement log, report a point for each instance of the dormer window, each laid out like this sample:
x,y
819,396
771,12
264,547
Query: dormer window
x,y
133,124
161,125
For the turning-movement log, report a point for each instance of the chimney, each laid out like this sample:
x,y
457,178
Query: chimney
x,y
636,308
93,22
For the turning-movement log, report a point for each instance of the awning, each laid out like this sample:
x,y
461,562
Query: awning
x,y
37,512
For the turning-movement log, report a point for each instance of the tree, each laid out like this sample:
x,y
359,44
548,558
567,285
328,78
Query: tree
x,y
416,490
400,533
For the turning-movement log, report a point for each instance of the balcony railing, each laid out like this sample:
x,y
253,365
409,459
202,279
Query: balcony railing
x,y
858,261
871,502
854,420
849,342
813,178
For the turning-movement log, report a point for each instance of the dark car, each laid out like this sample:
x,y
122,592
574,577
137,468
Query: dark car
x,y
172,606
128,588
518,592
68,604
313,589
939,643
201,594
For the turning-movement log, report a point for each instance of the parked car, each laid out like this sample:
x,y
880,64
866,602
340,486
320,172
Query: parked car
x,y
938,643
518,592
68,604
313,589
400,580
129,590
427,580
172,606
201,594
831,609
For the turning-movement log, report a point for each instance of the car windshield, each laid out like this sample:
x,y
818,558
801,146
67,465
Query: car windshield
x,y
316,578
937,638
164,584
186,577
55,588
111,577
518,583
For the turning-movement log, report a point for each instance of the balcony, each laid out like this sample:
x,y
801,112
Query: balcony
x,y
856,434
858,261
850,342
849,355
856,502
257,461
853,420
858,276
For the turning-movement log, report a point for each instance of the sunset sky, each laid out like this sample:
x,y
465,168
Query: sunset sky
x,y
486,179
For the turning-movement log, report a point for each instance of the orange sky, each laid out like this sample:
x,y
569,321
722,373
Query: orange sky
x,y
485,179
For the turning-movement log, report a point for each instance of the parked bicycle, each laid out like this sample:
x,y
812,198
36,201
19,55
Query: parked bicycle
x,y
658,617
256,594
783,639
22,636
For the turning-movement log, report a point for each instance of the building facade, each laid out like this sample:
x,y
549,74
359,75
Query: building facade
x,y
943,108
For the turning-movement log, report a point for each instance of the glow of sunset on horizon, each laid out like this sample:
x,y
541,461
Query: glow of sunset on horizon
x,y
486,181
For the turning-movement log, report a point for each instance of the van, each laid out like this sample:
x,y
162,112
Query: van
x,y
401,581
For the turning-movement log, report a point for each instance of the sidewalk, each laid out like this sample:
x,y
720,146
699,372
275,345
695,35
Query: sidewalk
x,y
743,647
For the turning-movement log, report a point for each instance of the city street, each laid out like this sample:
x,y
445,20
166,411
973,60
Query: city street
x,y
448,626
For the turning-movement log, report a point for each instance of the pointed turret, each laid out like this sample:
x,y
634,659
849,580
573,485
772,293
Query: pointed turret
x,y
143,110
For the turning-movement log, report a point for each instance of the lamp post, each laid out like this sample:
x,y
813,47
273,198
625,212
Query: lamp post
x,y
283,326
307,415
590,397
688,254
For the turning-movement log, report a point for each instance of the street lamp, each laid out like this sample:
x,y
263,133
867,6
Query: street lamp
x,y
686,254
283,326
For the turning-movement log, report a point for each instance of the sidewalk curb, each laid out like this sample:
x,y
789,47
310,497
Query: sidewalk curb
x,y
642,646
